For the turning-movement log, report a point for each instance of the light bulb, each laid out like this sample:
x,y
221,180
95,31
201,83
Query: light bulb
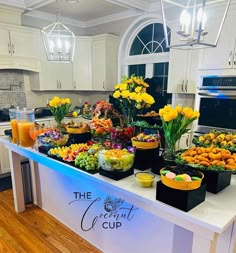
x,y
59,45
67,45
51,46
201,18
185,21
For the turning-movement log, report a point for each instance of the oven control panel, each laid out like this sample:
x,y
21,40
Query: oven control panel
x,y
218,82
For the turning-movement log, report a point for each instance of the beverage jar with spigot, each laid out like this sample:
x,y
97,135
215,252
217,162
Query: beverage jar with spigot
x,y
25,123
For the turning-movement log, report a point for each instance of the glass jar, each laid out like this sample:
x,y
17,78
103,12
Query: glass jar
x,y
25,123
13,113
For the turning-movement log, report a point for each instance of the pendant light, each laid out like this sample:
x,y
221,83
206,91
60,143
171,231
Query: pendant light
x,y
59,40
199,22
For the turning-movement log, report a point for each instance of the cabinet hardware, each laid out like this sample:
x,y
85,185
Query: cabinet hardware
x,y
57,84
74,84
186,86
103,85
60,83
9,48
13,48
187,141
234,58
182,86
229,61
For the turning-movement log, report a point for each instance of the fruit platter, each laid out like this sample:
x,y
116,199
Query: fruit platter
x,y
83,156
211,159
225,140
116,159
149,114
121,135
77,128
181,177
100,127
145,141
52,138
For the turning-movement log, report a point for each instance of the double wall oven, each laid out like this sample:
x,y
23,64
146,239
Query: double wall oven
x,y
216,102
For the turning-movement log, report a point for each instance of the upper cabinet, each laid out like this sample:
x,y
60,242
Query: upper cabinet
x,y
104,62
183,65
224,55
53,76
82,66
19,43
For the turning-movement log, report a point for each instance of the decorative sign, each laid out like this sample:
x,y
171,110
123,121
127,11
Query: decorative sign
x,y
115,211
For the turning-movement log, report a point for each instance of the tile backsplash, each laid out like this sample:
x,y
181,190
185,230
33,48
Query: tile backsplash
x,y
12,89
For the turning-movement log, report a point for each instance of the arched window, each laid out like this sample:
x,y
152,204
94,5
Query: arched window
x,y
150,40
143,51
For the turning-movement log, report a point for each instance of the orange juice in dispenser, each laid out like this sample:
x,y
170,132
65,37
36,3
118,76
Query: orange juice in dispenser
x,y
14,124
25,123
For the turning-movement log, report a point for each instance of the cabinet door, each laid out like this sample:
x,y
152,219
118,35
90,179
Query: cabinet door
x,y
64,74
178,61
4,159
48,79
191,72
185,141
5,47
82,64
220,57
25,44
98,65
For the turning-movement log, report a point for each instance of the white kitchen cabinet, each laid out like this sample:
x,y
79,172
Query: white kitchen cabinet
x,y
4,156
182,75
18,42
224,55
185,141
82,65
53,76
104,62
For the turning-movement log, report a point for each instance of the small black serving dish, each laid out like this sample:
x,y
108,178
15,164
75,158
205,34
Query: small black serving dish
x,y
116,175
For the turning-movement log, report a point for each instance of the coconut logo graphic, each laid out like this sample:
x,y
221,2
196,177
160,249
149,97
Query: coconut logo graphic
x,y
112,205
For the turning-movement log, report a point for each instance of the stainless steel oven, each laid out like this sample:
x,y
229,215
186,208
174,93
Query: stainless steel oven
x,y
216,102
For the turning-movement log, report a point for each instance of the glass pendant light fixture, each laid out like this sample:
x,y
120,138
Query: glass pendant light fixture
x,y
59,40
199,22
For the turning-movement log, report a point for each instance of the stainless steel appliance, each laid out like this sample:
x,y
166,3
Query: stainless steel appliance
x,y
216,102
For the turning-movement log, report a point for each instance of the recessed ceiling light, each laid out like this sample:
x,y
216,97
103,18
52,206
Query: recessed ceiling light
x,y
72,1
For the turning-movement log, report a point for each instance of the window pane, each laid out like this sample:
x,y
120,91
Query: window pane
x,y
138,70
136,48
146,34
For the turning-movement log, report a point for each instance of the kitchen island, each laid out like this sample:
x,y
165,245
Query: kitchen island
x,y
119,216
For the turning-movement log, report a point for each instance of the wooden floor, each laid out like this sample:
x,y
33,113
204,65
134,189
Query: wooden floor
x,y
35,231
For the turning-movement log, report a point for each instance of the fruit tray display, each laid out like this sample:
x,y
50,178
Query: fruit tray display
x,y
52,138
77,128
115,159
225,140
181,177
213,159
146,141
82,156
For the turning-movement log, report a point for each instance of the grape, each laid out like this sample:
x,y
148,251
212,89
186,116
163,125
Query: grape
x,y
86,161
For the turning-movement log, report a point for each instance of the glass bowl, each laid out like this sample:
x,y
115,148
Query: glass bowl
x,y
144,179
115,160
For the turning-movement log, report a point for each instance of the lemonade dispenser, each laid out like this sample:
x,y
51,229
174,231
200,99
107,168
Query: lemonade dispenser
x,y
25,123
13,113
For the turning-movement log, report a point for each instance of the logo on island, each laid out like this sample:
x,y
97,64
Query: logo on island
x,y
113,212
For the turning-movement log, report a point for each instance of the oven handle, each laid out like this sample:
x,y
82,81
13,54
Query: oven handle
x,y
209,94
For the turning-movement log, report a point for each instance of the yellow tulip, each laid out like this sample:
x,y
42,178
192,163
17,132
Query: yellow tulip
x,y
196,114
117,86
138,106
138,89
125,93
123,86
178,108
133,95
187,112
116,94
67,101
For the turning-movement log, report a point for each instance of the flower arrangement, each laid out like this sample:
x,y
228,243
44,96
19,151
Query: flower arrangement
x,y
175,122
105,110
132,95
59,108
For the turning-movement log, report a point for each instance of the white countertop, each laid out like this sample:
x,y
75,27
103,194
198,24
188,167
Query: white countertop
x,y
215,214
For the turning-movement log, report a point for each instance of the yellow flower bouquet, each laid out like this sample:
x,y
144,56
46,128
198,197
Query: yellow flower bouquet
x,y
59,108
132,95
175,122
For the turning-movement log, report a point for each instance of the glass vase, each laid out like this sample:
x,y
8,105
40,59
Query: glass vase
x,y
128,116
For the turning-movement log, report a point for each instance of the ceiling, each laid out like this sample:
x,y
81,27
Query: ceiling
x,y
85,13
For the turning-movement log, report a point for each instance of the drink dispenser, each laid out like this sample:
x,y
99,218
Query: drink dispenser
x,y
26,119
13,113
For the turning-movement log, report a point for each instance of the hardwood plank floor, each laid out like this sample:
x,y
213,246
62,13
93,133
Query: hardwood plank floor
x,y
35,231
